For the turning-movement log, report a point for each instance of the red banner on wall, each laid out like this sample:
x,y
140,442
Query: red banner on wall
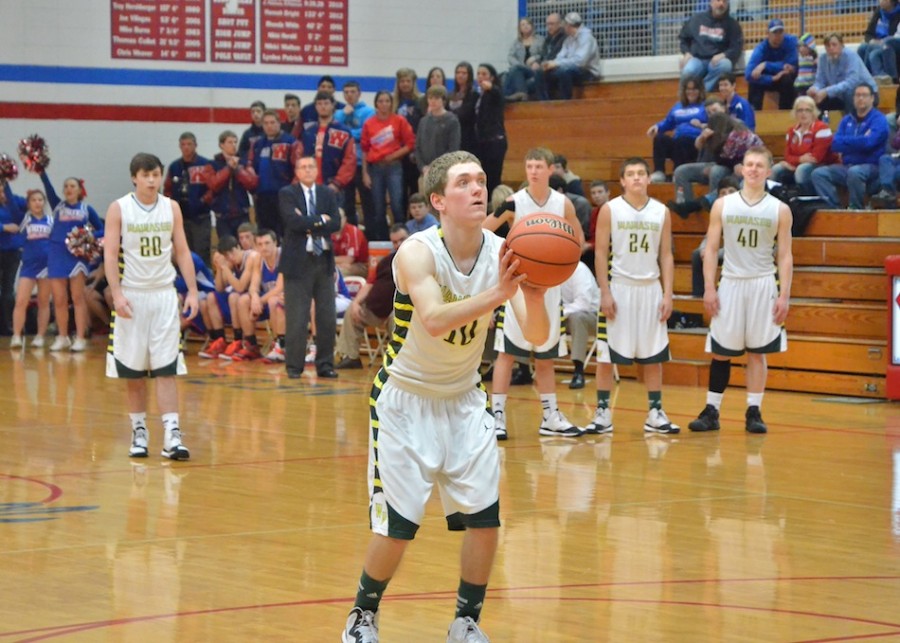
x,y
303,32
152,30
233,31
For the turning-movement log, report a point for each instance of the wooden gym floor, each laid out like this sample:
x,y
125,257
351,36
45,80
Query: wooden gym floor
x,y
793,536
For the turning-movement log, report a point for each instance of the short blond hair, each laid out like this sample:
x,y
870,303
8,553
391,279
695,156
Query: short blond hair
x,y
806,101
436,178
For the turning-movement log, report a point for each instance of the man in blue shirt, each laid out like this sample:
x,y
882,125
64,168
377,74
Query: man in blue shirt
x,y
737,106
419,216
577,61
353,115
773,67
860,140
838,73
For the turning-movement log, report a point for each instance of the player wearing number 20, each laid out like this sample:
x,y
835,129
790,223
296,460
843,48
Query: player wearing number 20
x,y
635,232
749,307
144,232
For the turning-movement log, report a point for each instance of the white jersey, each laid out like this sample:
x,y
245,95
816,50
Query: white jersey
x,y
749,233
442,366
635,236
526,205
145,256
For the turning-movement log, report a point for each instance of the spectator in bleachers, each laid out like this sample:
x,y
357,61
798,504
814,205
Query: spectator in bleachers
x,y
372,306
525,51
438,130
582,205
837,75
860,140
254,132
386,138
722,145
292,113
462,103
271,162
737,106
435,78
419,216
407,104
489,126
879,51
308,115
332,146
351,249
773,67
353,116
807,146
573,181
186,184
578,61
711,44
888,173
806,66
685,120
599,196
580,301
227,186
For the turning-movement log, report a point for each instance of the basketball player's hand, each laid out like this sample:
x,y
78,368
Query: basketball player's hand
x,y
711,302
255,305
665,308
123,307
191,306
608,306
509,280
780,310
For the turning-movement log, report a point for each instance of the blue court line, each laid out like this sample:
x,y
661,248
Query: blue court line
x,y
173,78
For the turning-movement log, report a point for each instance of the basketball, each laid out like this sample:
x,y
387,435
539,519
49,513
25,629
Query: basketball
x,y
546,248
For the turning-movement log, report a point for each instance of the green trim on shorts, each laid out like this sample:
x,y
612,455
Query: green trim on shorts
x,y
772,347
486,518
517,351
398,526
661,356
169,370
456,522
129,373
718,349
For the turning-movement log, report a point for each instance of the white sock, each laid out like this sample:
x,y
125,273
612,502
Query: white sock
x,y
138,420
714,399
498,402
170,421
548,404
754,399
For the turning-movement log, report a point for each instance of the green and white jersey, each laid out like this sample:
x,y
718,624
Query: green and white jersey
x,y
749,233
145,255
634,239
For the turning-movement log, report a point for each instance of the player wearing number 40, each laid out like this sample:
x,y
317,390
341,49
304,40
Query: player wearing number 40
x,y
749,308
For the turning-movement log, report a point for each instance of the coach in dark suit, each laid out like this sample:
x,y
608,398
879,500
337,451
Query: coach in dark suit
x,y
309,214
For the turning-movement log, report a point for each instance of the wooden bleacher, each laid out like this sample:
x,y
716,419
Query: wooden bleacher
x,y
837,326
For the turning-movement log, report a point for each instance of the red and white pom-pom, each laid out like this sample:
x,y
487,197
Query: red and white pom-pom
x,y
9,169
82,244
35,153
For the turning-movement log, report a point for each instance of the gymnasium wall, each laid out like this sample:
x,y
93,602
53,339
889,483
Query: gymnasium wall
x,y
58,79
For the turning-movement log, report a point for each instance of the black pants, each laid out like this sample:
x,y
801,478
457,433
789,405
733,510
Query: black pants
x,y
9,266
267,215
681,150
785,88
492,153
365,199
198,232
299,292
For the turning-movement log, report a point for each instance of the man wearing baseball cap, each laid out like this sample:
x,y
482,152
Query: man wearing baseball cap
x,y
773,67
577,61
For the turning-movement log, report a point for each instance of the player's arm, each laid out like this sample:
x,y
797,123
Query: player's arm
x,y
785,264
528,304
666,267
601,261
572,218
505,213
185,262
111,245
275,294
255,268
243,283
414,271
711,259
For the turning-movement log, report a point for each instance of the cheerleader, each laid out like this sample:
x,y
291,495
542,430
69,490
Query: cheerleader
x,y
36,228
65,270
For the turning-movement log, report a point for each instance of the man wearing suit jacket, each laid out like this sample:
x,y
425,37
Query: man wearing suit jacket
x,y
309,214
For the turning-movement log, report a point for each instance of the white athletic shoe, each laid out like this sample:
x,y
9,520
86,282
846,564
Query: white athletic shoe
x,y
657,422
38,341
139,438
61,342
362,627
557,424
16,342
173,448
466,630
602,422
500,425
79,345
658,177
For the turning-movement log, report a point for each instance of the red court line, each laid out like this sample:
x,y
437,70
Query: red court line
x,y
55,492
46,633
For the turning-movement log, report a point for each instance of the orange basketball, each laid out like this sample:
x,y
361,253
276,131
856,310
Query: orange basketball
x,y
546,248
